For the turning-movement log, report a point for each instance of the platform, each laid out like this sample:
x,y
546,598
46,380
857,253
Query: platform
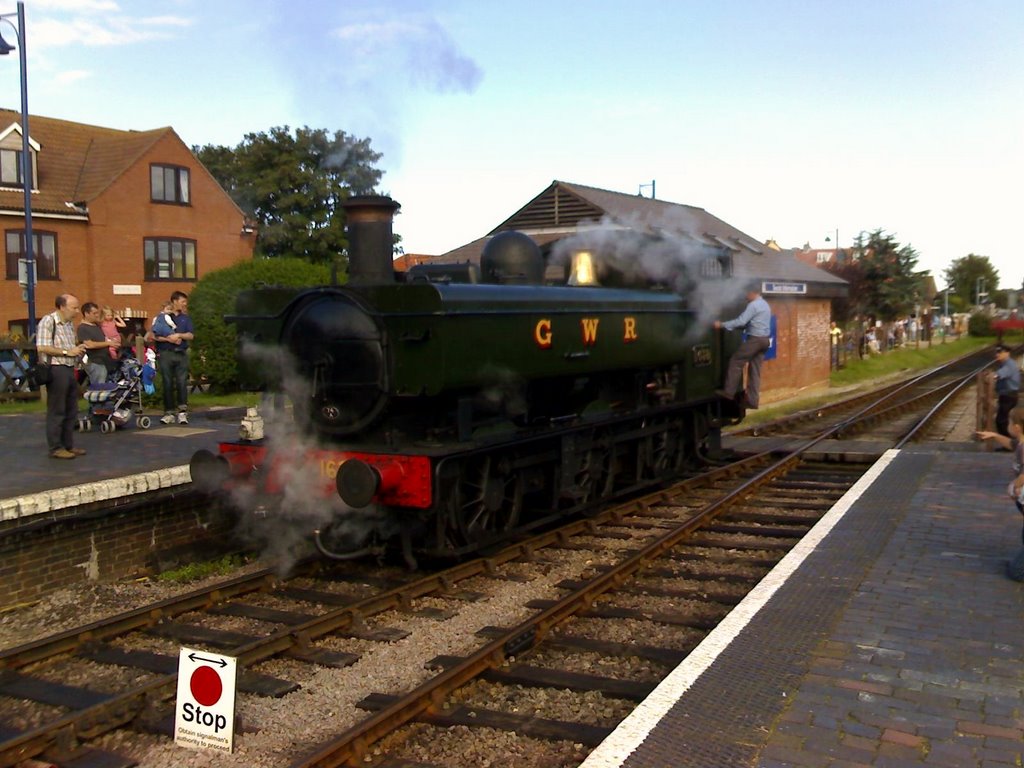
x,y
119,464
891,636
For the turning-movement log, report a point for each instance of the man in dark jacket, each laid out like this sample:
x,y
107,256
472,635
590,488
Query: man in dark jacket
x,y
172,332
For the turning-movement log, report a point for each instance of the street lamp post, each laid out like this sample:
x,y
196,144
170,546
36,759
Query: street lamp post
x,y
827,239
945,317
26,161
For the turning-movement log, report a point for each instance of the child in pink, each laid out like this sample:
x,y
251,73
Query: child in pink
x,y
111,326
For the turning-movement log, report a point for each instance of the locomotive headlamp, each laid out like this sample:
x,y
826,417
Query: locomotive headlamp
x,y
583,272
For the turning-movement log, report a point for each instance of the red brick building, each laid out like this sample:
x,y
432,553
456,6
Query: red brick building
x,y
799,294
118,217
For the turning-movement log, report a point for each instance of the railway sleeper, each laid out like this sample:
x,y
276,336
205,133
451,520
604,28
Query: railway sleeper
x,y
164,664
476,717
531,676
678,619
685,593
670,657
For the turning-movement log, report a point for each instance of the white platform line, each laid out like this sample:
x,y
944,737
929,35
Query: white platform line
x,y
632,731
102,490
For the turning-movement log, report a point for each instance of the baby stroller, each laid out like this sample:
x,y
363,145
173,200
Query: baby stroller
x,y
114,403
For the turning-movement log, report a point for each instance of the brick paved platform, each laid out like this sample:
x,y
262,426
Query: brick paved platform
x,y
119,464
896,640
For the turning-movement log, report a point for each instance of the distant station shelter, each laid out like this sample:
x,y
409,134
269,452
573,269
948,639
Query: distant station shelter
x,y
799,293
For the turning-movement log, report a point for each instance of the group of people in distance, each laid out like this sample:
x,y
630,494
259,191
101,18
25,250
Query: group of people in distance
x,y
96,347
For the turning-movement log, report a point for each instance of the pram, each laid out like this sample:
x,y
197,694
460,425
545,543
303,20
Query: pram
x,y
114,403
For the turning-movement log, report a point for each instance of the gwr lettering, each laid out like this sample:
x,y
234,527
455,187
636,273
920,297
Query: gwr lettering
x,y
589,327
542,333
194,713
629,329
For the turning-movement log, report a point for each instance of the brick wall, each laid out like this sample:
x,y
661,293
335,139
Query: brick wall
x,y
802,361
104,545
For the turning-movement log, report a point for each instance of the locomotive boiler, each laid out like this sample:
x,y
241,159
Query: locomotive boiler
x,y
450,406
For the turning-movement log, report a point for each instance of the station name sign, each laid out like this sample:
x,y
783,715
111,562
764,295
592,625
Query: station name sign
x,y
792,289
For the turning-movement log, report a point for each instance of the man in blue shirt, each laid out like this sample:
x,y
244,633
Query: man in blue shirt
x,y
756,321
172,332
1007,388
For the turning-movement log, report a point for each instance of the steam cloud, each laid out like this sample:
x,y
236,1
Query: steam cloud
x,y
285,535
431,56
676,261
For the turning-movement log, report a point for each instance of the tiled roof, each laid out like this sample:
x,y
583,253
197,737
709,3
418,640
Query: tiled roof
x,y
76,162
563,208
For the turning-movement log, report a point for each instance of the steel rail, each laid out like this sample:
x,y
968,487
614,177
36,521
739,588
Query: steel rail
x,y
893,389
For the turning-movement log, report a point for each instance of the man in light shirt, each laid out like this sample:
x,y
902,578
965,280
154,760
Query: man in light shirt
x,y
56,345
756,322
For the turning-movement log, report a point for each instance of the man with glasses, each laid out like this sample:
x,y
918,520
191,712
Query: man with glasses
x,y
56,344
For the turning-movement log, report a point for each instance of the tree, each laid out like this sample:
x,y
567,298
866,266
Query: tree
x,y
970,275
292,185
889,287
846,309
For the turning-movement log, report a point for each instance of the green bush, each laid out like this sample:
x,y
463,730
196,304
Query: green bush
x,y
980,324
213,352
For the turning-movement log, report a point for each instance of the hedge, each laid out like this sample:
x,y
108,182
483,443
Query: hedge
x,y
213,350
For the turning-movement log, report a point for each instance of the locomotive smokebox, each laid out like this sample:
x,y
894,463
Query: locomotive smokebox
x,y
370,241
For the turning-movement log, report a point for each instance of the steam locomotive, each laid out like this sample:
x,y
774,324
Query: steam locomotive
x,y
445,408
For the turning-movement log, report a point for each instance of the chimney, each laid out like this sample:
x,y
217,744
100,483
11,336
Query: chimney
x,y
370,242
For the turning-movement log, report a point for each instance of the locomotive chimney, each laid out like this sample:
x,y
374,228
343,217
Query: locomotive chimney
x,y
370,244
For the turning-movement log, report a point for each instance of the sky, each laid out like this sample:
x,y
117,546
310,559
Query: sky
x,y
794,121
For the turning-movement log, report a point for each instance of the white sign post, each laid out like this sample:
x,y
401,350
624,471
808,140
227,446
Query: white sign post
x,y
204,716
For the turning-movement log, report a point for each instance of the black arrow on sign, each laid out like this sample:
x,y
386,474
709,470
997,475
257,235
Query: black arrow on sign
x,y
219,662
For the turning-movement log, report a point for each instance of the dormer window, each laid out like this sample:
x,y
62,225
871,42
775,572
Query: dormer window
x,y
169,184
10,168
11,145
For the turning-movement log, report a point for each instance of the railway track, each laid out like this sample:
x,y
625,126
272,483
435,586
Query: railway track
x,y
677,561
884,414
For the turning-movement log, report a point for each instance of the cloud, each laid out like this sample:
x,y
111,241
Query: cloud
x,y
71,76
431,56
78,6
91,25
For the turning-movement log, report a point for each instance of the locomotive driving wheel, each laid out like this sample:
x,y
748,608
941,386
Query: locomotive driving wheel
x,y
486,501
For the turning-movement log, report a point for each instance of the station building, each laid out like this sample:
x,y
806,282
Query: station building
x,y
119,217
799,294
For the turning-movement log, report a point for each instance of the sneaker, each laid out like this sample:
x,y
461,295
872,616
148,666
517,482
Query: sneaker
x,y
60,453
77,451
182,418
167,418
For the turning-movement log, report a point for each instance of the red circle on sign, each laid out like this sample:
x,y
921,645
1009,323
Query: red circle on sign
x,y
206,686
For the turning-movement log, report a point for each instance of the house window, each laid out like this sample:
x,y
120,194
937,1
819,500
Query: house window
x,y
169,259
169,184
44,252
10,168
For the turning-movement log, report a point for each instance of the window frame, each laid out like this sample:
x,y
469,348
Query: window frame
x,y
153,276
178,171
11,258
19,182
